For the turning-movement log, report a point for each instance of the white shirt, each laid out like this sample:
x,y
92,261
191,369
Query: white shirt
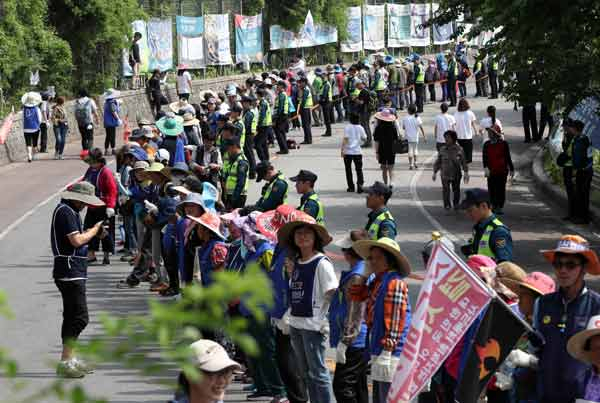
x,y
486,123
464,128
183,83
443,123
411,125
356,136
325,280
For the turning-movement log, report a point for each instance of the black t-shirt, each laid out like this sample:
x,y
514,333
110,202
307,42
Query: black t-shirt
x,y
134,54
69,262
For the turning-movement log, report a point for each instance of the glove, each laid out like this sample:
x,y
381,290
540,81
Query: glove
x,y
283,324
520,358
151,208
486,172
110,212
466,178
340,353
119,122
503,381
381,368
90,126
359,292
434,176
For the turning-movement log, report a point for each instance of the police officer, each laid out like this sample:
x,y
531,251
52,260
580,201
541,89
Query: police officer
x,y
309,202
493,75
236,176
326,102
264,124
305,106
490,236
274,192
419,72
452,77
281,112
381,223
250,117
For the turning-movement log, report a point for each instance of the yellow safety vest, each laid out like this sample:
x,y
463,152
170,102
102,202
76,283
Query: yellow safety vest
x,y
373,231
232,178
268,118
320,218
286,105
483,248
240,125
270,188
329,95
309,100
421,76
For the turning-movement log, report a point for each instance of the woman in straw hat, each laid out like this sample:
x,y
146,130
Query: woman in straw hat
x,y
388,309
385,135
312,285
212,251
32,119
585,347
191,128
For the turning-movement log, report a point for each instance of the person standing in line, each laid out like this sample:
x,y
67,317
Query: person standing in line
x,y
32,118
316,90
432,75
135,60
264,125
354,136
281,112
156,96
492,65
45,109
304,106
69,247
451,162
339,94
498,165
385,135
419,74
86,114
112,119
184,82
452,77
326,102
466,125
412,124
61,127
443,123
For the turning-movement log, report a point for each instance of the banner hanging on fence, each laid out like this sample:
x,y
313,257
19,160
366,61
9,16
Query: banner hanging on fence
x,y
353,42
160,42
190,41
216,39
450,300
398,25
248,38
442,34
282,38
373,27
309,35
419,35
137,26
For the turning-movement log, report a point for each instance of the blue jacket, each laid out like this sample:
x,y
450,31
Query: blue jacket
x,y
560,376
280,282
111,106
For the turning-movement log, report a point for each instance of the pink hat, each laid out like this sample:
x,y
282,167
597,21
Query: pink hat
x,y
539,282
210,221
476,262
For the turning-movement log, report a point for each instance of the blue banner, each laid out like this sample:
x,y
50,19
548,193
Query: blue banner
x,y
160,42
190,26
248,38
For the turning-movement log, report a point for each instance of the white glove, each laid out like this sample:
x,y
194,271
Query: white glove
x,y
151,208
381,368
90,126
110,212
503,381
486,172
520,358
340,353
283,324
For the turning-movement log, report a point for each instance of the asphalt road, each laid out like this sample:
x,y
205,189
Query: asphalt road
x,y
30,194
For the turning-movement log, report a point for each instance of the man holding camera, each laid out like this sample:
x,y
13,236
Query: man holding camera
x,y
69,247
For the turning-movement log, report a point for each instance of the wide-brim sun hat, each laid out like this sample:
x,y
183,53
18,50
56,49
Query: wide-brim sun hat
x,y
192,198
83,192
177,105
363,248
284,235
170,125
386,115
138,153
154,168
179,168
31,99
111,93
511,275
576,346
210,221
538,282
575,244
210,356
189,119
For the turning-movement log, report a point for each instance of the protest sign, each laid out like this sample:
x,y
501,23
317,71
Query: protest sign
x,y
216,39
160,43
398,25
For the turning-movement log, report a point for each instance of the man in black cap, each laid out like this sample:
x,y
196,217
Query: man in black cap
x,y
309,202
381,223
273,193
235,180
490,236
305,107
250,117
281,123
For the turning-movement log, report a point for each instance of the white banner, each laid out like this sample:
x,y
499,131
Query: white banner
x,y
419,35
398,25
373,27
216,36
353,42
441,33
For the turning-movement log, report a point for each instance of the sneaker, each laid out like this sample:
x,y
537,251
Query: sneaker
x,y
169,292
83,366
124,284
92,259
68,369
60,156
249,388
258,396
280,399
350,190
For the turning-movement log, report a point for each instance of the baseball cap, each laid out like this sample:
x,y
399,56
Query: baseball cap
x,y
261,170
474,197
304,175
236,108
210,356
379,188
247,98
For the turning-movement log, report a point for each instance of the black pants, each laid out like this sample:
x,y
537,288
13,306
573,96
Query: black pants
x,y
87,138
493,77
260,143
497,189
467,146
350,379
327,117
281,128
231,204
155,105
530,123
452,91
358,163
170,260
110,140
293,381
75,311
43,137
306,125
420,96
578,192
447,185
365,118
31,139
545,119
431,88
249,153
92,216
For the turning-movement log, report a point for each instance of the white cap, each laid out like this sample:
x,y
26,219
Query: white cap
x,y
162,155
210,356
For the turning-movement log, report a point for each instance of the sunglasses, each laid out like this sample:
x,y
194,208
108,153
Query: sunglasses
x,y
567,264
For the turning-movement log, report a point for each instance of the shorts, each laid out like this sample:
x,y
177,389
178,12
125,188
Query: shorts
x,y
413,149
31,138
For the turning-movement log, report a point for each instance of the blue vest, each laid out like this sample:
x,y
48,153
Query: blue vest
x,y
206,266
31,119
339,309
235,260
378,331
301,288
252,258
92,175
279,280
109,119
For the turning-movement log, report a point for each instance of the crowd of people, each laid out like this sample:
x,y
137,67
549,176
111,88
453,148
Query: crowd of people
x,y
181,191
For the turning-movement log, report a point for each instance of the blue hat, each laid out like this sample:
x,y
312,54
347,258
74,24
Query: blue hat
x,y
388,59
473,197
138,153
318,71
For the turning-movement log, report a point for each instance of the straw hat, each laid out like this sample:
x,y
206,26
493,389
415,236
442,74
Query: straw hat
x,y
111,93
170,125
575,245
510,275
84,192
363,248
538,282
189,119
576,345
210,221
386,115
177,105
31,99
154,168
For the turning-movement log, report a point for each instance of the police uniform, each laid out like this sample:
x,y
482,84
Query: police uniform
x,y
309,202
493,239
236,181
273,194
250,118
282,124
381,224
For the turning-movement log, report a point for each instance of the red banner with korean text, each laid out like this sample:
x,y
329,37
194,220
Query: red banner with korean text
x,y
450,300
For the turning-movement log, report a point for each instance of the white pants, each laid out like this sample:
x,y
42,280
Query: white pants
x,y
413,149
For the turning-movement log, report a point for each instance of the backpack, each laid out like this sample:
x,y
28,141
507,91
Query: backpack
x,y
292,145
373,101
82,113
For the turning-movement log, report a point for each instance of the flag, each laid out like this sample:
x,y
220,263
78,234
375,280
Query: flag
x,y
308,32
498,332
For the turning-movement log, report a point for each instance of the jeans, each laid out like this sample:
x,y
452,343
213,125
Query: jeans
x,y
260,143
306,125
87,138
60,134
43,137
350,379
309,348
348,160
380,391
75,311
293,381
